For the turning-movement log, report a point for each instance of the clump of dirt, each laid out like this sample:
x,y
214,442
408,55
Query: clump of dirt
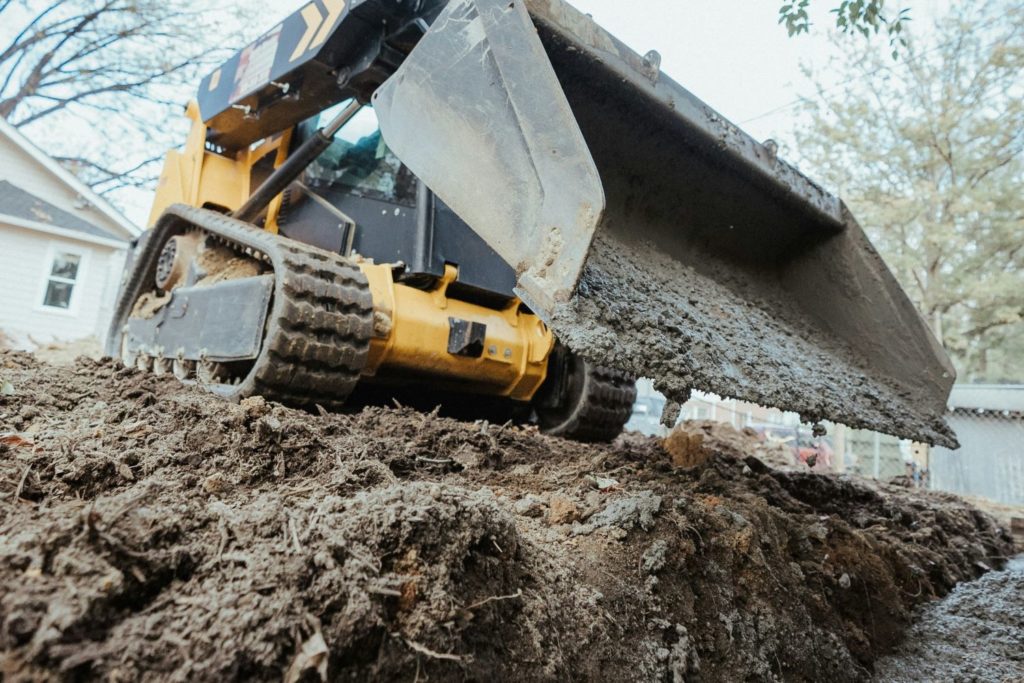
x,y
221,264
720,437
150,530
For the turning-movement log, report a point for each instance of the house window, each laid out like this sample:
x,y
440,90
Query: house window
x,y
60,283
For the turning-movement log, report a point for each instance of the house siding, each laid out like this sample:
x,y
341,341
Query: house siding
x,y
990,462
26,253
25,259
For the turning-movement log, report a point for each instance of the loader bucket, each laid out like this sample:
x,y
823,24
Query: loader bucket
x,y
650,233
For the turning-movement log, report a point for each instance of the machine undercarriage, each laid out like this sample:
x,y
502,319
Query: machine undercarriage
x,y
243,312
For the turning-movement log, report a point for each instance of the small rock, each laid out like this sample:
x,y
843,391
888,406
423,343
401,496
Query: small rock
x,y
530,506
215,483
112,581
844,581
562,510
268,427
255,406
323,560
629,512
603,484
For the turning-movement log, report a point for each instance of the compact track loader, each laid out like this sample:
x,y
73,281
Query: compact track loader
x,y
499,199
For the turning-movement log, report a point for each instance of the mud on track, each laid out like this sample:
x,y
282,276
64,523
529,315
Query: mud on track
x,y
148,531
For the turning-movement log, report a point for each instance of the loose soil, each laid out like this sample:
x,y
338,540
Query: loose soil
x,y
151,532
975,634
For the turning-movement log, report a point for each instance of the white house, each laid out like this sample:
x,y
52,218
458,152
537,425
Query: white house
x,y
62,249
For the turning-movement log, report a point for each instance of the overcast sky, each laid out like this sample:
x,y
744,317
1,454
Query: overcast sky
x,y
732,53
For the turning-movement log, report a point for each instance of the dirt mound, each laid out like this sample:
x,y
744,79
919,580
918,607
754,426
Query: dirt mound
x,y
57,353
150,530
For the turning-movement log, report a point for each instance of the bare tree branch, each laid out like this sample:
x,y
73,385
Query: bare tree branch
x,y
124,66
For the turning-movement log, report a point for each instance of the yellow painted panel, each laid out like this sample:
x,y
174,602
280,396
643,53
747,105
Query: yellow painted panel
x,y
516,347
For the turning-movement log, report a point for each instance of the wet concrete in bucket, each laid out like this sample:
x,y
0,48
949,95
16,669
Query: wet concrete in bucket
x,y
642,311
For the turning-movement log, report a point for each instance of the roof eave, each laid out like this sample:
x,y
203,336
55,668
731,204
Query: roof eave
x,y
62,232
69,179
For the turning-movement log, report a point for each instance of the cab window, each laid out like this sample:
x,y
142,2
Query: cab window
x,y
359,163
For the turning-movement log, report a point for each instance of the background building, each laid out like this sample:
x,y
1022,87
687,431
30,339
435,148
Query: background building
x,y
989,420
62,249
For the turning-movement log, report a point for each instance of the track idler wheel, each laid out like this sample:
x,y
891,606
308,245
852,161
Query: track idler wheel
x,y
175,258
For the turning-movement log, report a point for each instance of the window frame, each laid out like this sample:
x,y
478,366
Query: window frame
x,y
53,249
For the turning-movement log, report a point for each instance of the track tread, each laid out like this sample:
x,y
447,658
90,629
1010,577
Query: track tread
x,y
321,319
603,409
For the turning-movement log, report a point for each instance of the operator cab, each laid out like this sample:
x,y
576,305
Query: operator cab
x,y
358,198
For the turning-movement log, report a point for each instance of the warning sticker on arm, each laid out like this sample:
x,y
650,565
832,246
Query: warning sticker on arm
x,y
256,64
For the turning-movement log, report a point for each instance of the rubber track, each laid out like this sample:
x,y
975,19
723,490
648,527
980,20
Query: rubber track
x,y
605,407
320,323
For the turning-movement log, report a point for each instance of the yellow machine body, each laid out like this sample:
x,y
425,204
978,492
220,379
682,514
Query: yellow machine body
x,y
205,179
412,327
412,332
